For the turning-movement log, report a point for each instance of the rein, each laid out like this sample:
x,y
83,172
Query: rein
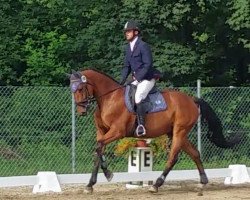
x,y
110,91
89,99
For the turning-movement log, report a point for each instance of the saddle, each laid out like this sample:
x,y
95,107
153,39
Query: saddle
x,y
154,102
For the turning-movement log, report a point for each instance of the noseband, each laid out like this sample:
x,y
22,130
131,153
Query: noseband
x,y
85,103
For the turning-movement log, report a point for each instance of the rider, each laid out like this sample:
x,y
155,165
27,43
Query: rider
x,y
138,60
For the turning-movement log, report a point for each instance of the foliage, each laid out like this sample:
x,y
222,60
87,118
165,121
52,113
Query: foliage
x,y
43,39
160,145
157,145
124,145
239,20
42,61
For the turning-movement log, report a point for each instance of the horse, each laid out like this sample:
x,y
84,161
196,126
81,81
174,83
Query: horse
x,y
113,121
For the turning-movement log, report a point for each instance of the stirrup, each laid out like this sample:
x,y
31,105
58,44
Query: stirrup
x,y
140,130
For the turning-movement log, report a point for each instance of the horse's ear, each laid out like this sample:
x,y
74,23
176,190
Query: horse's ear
x,y
76,73
67,75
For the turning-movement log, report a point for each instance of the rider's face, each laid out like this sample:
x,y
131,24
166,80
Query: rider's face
x,y
130,35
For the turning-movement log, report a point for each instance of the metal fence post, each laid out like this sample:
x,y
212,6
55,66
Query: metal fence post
x,y
199,119
73,158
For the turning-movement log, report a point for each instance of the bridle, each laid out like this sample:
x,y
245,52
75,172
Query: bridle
x,y
88,100
85,103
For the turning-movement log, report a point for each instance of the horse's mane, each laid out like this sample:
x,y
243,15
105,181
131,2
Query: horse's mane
x,y
100,72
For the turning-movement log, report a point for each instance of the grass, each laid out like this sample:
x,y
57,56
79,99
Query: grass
x,y
53,156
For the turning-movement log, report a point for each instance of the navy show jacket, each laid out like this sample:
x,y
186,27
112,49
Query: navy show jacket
x,y
139,62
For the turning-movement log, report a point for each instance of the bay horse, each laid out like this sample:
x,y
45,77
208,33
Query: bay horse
x,y
113,121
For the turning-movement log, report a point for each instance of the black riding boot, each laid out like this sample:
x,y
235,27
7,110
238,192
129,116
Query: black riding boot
x,y
140,130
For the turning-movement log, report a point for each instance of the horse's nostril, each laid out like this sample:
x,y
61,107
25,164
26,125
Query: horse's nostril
x,y
82,113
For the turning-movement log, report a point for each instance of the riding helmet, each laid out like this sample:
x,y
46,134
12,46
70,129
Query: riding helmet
x,y
131,25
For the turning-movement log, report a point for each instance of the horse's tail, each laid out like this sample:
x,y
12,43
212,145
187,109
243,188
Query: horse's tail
x,y
214,133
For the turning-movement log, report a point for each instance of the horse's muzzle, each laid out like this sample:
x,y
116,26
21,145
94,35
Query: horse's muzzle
x,y
82,114
82,110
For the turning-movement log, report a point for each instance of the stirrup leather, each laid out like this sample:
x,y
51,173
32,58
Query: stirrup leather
x,y
140,130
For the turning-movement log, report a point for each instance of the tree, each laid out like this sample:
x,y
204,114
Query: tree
x,y
44,39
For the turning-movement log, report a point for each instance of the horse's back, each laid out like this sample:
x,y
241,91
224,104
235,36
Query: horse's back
x,y
181,110
181,105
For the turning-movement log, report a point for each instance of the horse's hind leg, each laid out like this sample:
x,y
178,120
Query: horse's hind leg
x,y
190,149
172,158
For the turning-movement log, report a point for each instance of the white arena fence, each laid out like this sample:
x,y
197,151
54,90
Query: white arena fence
x,y
40,131
235,174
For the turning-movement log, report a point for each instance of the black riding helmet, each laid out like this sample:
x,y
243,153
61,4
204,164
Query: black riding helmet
x,y
132,25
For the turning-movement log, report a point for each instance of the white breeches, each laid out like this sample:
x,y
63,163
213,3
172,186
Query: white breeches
x,y
143,89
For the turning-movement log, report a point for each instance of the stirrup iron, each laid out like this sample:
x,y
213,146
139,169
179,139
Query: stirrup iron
x,y
139,134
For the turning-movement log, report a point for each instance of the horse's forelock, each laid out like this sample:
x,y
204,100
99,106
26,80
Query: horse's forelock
x,y
75,76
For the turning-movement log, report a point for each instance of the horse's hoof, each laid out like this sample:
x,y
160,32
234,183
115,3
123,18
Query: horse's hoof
x,y
88,190
109,176
153,189
204,179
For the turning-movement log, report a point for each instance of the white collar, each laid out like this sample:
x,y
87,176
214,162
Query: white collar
x,y
132,43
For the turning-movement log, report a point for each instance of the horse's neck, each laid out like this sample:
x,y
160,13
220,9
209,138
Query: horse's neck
x,y
102,84
103,87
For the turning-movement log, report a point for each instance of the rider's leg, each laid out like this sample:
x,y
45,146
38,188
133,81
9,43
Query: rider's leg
x,y
141,93
140,111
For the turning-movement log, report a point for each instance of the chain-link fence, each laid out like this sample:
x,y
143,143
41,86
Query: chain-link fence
x,y
36,132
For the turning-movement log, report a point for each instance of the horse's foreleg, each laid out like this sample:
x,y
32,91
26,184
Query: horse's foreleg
x,y
108,174
104,166
104,140
93,178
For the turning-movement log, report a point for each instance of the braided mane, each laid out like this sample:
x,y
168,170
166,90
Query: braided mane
x,y
104,74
